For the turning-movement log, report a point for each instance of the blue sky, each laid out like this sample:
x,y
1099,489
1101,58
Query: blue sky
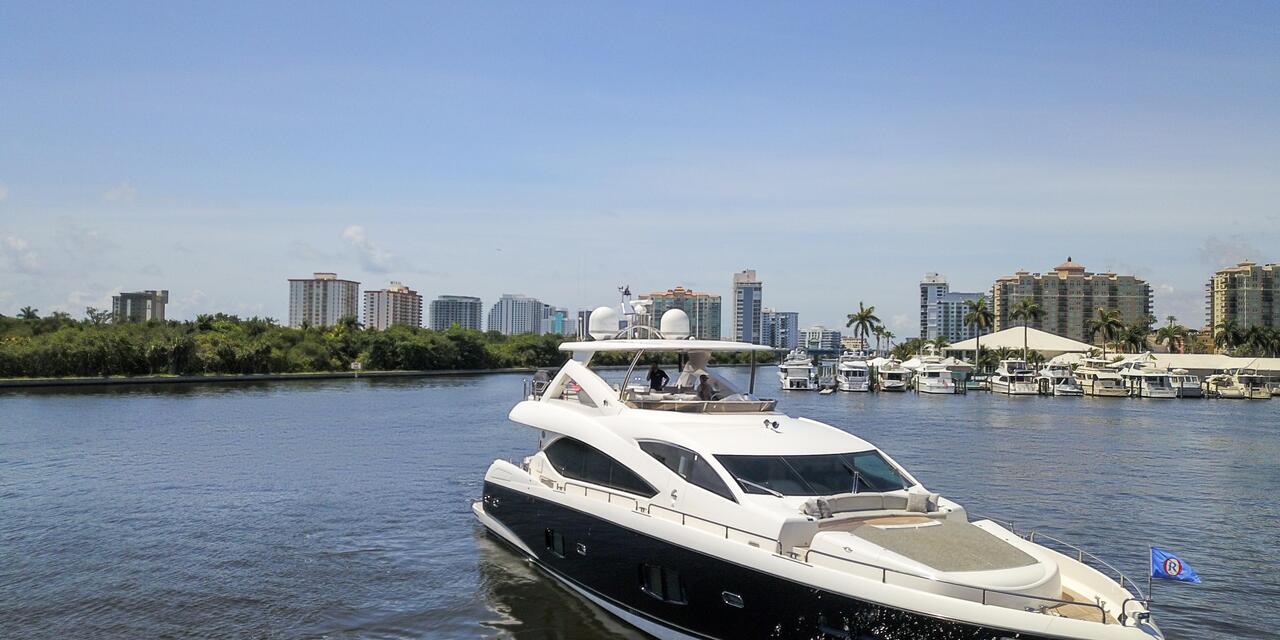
x,y
559,150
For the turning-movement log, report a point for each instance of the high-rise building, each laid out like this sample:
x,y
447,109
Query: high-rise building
x,y
464,311
942,311
1069,295
515,314
820,338
322,300
584,323
703,310
932,287
556,320
746,307
139,306
395,305
1247,294
780,329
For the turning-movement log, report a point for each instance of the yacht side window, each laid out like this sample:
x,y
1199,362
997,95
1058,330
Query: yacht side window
x,y
688,465
580,461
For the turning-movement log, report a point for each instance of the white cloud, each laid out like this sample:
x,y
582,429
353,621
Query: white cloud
x,y
1225,252
372,257
78,300
123,192
19,255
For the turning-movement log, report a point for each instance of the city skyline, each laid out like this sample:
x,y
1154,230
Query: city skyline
x,y
894,140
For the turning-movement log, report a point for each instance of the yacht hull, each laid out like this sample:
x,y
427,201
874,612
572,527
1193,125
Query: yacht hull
x,y
1015,389
603,562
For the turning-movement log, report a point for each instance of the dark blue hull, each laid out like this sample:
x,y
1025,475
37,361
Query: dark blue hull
x,y
696,594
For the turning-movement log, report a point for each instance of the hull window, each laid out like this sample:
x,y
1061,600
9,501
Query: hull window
x,y
555,542
662,583
688,465
580,461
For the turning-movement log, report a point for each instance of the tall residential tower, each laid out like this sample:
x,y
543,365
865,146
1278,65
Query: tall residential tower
x,y
322,300
746,307
1247,294
464,311
395,305
1069,295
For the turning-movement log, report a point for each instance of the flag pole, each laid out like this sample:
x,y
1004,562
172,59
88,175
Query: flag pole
x,y
1151,553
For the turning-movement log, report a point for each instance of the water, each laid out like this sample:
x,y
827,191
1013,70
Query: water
x,y
340,509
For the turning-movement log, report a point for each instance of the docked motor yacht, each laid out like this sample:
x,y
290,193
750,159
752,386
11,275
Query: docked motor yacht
x,y
1237,383
933,376
1058,380
892,376
852,372
1144,379
1013,377
797,373
700,519
1098,379
1188,385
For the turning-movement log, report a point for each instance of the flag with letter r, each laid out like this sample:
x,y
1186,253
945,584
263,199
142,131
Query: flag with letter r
x,y
1170,567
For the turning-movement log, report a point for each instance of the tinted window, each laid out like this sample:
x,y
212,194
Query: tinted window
x,y
577,460
688,465
817,475
662,583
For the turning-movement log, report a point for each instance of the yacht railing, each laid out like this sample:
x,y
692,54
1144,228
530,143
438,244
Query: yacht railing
x,y
725,531
982,594
1081,556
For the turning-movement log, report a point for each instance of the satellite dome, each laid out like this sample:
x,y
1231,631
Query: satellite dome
x,y
674,324
603,323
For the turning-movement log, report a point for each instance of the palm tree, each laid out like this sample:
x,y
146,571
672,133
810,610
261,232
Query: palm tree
x,y
1135,337
888,337
863,321
939,343
1107,322
1004,353
979,317
878,331
1227,335
1259,339
1027,311
29,313
1172,335
1035,359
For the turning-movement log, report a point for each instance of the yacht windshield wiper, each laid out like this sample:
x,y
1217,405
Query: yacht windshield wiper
x,y
761,487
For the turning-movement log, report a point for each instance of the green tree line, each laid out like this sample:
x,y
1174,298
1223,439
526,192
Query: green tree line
x,y
58,345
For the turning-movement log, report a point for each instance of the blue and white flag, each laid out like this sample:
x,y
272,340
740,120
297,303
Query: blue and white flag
x,y
1170,567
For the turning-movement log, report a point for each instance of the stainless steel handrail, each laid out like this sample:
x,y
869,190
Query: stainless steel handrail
x,y
884,573
683,516
1081,554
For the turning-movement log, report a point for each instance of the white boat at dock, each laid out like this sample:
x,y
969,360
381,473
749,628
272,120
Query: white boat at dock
x,y
797,373
1013,377
1098,379
852,372
934,377
892,376
1058,380
1144,379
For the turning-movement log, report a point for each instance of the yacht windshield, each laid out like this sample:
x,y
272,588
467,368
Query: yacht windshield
x,y
814,475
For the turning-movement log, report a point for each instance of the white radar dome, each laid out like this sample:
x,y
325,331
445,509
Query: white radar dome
x,y
603,323
674,324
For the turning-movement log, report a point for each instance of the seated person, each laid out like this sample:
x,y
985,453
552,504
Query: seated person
x,y
706,390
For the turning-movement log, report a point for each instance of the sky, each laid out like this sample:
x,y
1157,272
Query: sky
x,y
560,150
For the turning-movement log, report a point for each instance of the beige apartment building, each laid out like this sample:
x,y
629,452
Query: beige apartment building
x,y
395,305
703,310
322,300
1247,293
1069,295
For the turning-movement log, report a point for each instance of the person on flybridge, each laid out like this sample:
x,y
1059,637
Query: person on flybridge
x,y
657,377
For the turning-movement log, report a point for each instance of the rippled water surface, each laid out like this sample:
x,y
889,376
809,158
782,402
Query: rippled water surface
x,y
341,509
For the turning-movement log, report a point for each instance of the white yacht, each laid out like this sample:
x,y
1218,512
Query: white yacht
x,y
797,373
1238,384
1188,385
724,519
852,372
933,376
1058,380
1013,377
1144,379
892,376
1098,379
